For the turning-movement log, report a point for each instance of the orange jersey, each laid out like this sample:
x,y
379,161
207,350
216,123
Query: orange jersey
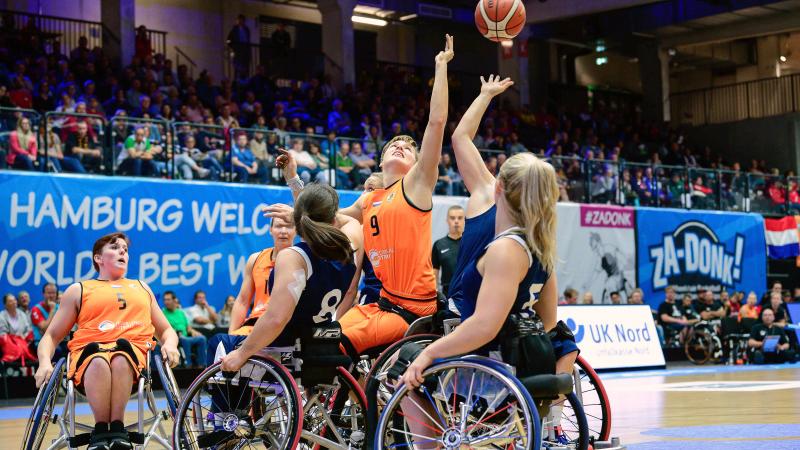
x,y
397,240
111,310
262,267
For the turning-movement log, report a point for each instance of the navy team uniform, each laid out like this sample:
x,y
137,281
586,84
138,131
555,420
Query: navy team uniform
x,y
326,284
370,289
466,282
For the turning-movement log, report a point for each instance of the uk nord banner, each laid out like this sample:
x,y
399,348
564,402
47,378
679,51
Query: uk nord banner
x,y
699,249
596,250
615,337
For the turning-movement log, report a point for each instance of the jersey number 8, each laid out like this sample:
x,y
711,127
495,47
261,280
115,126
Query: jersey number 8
x,y
328,307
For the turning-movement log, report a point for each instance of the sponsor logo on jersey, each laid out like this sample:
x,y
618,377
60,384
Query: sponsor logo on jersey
x,y
376,256
106,325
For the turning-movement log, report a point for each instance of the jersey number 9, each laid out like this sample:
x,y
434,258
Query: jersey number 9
x,y
373,222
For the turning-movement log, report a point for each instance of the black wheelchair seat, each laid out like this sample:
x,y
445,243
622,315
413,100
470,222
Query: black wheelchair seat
x,y
548,386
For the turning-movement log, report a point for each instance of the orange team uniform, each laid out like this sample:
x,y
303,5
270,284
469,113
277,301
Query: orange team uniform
x,y
397,241
111,310
262,267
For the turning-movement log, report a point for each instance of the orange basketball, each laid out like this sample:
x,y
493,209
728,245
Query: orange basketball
x,y
500,20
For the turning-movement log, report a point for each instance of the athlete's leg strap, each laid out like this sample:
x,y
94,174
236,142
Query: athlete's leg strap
x,y
386,305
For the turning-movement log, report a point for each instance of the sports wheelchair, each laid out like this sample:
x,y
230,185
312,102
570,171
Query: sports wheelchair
x,y
299,396
703,343
565,422
148,428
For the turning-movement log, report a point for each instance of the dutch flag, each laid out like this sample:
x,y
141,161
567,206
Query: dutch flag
x,y
783,238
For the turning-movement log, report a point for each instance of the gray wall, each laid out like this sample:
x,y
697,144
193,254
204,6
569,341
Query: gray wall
x,y
773,139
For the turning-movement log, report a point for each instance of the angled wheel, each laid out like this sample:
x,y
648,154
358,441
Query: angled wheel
x,y
168,383
43,406
463,404
594,399
571,427
335,415
257,407
699,347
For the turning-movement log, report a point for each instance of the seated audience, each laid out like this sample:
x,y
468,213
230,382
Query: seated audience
x,y
192,342
762,351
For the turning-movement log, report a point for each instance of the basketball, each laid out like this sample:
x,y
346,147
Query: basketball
x,y
500,20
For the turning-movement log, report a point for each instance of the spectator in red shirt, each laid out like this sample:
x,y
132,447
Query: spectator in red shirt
x,y
42,313
777,193
22,145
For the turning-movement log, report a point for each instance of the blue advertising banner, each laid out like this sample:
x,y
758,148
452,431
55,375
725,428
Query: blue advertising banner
x,y
699,249
184,236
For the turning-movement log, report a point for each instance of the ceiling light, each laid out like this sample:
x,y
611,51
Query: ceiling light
x,y
408,17
370,21
507,44
782,58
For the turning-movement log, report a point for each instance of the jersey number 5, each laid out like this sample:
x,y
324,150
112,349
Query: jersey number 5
x,y
373,222
120,299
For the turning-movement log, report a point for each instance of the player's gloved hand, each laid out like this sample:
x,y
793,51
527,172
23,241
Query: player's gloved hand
x,y
43,373
171,355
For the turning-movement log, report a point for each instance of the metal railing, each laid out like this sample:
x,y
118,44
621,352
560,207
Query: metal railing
x,y
734,102
158,41
156,131
9,118
58,34
67,123
182,58
206,151
238,65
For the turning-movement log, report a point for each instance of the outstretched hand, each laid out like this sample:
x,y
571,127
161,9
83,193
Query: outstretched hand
x,y
280,211
494,85
447,54
287,163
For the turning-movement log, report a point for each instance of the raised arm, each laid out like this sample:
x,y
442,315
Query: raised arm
x,y
477,179
242,303
421,180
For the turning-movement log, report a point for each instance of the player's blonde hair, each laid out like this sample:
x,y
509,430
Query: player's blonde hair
x,y
404,138
530,188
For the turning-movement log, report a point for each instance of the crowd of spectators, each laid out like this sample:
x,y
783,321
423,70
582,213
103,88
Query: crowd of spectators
x,y
255,114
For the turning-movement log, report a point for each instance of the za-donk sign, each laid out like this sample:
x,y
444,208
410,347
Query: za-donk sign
x,y
692,250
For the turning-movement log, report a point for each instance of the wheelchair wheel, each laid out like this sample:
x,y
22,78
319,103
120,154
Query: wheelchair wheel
x,y
168,383
572,426
336,413
594,399
377,374
43,406
257,406
464,403
699,347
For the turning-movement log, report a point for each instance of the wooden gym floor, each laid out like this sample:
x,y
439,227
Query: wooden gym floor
x,y
683,408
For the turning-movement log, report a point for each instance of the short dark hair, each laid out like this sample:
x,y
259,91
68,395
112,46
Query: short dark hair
x,y
198,292
170,293
44,288
453,208
97,248
613,294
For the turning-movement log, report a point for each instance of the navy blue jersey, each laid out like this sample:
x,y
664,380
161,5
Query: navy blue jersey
x,y
371,285
527,292
326,284
478,233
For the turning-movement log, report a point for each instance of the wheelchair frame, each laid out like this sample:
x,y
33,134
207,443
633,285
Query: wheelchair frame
x,y
68,424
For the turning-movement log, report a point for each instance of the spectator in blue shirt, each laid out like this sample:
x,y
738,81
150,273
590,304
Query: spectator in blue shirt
x,y
244,162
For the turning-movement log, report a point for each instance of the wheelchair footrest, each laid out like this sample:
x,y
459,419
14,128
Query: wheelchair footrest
x,y
548,385
136,438
80,440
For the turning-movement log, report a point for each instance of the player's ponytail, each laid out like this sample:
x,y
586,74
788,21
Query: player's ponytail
x,y
314,214
531,191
